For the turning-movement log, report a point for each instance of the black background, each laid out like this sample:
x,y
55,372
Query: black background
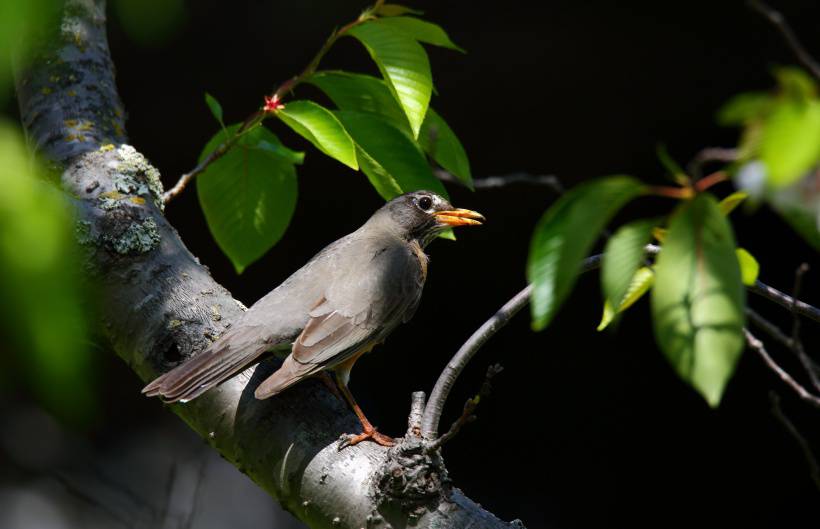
x,y
583,429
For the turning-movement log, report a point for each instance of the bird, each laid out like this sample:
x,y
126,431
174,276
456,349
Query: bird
x,y
348,298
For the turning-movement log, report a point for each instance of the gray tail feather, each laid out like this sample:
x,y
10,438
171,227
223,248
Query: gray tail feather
x,y
202,372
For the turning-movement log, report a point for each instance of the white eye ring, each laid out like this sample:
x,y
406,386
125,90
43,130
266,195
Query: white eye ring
x,y
425,203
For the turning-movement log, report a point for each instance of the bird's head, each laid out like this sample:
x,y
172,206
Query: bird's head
x,y
422,215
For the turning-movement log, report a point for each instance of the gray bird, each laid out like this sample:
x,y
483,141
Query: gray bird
x,y
339,305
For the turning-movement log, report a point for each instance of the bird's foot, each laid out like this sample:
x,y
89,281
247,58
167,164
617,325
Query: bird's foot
x,y
370,434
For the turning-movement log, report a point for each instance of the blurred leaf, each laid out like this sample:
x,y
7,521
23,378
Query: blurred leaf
x,y
728,204
802,220
698,297
150,23
641,282
421,30
795,83
365,93
390,159
659,234
319,126
564,236
790,145
744,108
394,10
248,195
675,170
749,267
40,285
19,19
623,255
404,65
216,108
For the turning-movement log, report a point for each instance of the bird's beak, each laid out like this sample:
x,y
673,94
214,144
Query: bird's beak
x,y
458,217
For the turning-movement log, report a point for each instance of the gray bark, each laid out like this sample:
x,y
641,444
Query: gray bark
x,y
161,306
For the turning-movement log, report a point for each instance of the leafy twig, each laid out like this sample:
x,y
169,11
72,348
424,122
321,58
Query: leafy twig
x,y
779,21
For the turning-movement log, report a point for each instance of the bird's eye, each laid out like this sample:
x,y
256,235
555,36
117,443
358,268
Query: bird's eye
x,y
425,203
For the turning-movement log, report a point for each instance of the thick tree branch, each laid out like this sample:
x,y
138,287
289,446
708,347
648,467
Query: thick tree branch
x,y
160,306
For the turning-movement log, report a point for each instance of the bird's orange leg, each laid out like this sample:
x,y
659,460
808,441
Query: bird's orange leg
x,y
370,432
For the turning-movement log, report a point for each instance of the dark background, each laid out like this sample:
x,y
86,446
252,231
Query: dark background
x,y
583,429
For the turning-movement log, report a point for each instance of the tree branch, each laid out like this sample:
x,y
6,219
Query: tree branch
x,y
784,300
494,182
159,304
757,346
805,447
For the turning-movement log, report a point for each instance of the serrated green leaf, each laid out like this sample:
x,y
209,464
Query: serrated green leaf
x,y
728,204
623,255
564,236
390,159
215,107
698,297
248,195
404,65
395,10
744,108
320,127
749,267
790,144
641,282
365,93
422,31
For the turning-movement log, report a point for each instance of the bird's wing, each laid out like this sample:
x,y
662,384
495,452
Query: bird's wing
x,y
359,309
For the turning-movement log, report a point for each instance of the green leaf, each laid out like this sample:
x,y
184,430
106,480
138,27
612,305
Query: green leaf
x,y
320,127
744,108
248,195
675,170
421,30
390,159
42,318
216,108
641,282
795,83
623,255
404,65
698,297
728,204
394,10
564,236
365,93
790,145
802,220
749,267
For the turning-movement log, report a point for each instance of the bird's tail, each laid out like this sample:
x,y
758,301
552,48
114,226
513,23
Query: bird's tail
x,y
204,371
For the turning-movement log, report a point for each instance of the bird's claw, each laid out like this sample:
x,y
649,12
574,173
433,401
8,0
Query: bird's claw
x,y
367,435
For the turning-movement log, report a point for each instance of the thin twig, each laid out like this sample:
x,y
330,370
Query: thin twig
x,y
709,155
468,413
435,405
786,301
757,346
779,22
494,182
811,459
769,328
807,363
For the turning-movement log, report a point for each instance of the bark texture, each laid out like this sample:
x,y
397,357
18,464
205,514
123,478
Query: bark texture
x,y
161,306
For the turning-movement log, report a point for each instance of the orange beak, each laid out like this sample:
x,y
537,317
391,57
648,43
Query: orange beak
x,y
459,217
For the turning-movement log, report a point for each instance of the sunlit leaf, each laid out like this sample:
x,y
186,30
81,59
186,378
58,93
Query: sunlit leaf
x,y
795,83
641,282
365,93
390,159
215,107
698,297
728,204
421,30
790,144
404,65
248,195
319,126
745,107
564,236
623,255
749,267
